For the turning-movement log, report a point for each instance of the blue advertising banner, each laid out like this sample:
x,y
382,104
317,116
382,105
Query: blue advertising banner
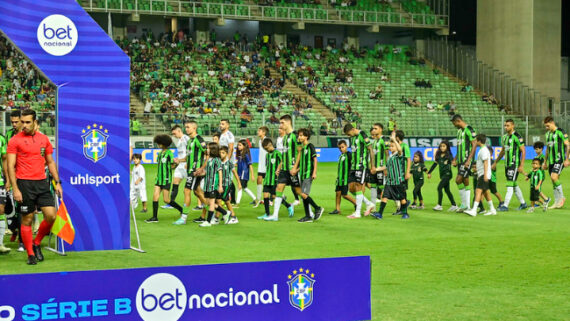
x,y
326,155
92,77
313,289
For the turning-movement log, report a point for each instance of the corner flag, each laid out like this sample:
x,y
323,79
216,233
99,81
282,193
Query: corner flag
x,y
62,227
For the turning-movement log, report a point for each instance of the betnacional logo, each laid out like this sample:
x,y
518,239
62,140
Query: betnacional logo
x,y
161,297
57,35
301,288
95,142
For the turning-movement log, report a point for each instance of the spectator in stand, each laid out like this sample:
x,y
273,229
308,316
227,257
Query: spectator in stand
x,y
245,117
430,106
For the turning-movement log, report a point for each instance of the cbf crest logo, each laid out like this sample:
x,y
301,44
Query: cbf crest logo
x,y
95,142
301,288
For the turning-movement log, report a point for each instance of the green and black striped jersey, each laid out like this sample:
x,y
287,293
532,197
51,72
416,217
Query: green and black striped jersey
x,y
212,179
227,168
195,152
10,133
465,137
396,166
343,169
535,178
555,142
306,168
3,145
164,172
290,146
511,146
543,160
272,161
379,147
359,147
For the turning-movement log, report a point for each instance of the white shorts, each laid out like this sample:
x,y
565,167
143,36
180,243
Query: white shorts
x,y
180,171
136,195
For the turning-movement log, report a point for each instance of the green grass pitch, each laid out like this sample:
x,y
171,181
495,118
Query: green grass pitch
x,y
434,266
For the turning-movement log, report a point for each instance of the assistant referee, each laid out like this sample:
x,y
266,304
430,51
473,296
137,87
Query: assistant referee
x,y
28,153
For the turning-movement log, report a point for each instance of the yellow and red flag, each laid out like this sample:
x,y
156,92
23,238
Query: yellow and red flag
x,y
62,227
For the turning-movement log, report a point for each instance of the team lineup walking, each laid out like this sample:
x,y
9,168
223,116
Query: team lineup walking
x,y
382,164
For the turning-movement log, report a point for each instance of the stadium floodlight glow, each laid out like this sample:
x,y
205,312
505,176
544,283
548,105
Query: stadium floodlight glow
x,y
91,74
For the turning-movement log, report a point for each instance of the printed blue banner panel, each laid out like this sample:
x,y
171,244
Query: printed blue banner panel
x,y
313,289
325,155
92,76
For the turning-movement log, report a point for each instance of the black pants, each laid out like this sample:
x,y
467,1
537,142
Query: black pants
x,y
418,191
444,185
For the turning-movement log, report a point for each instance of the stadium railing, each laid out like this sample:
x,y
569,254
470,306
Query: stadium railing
x,y
507,90
344,15
46,121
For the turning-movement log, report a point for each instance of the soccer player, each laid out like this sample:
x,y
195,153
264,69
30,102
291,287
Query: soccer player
x,y
536,178
361,149
273,161
138,183
557,149
281,148
443,159
228,169
395,179
12,215
163,177
290,169
343,168
261,134
28,153
379,156
307,174
213,179
4,185
180,161
514,151
466,146
483,177
15,120
245,170
227,139
195,156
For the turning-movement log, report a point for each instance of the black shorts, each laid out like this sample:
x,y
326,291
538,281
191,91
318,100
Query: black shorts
x,y
481,184
243,183
463,172
394,192
211,194
261,174
357,177
534,195
342,189
556,168
286,178
511,173
269,189
193,182
493,187
225,195
166,186
35,194
377,179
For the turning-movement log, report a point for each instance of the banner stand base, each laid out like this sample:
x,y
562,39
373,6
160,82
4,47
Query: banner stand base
x,y
59,248
138,248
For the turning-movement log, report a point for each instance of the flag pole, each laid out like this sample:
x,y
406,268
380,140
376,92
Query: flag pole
x,y
59,247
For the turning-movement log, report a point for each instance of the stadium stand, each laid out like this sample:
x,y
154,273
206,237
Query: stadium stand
x,y
22,87
255,87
